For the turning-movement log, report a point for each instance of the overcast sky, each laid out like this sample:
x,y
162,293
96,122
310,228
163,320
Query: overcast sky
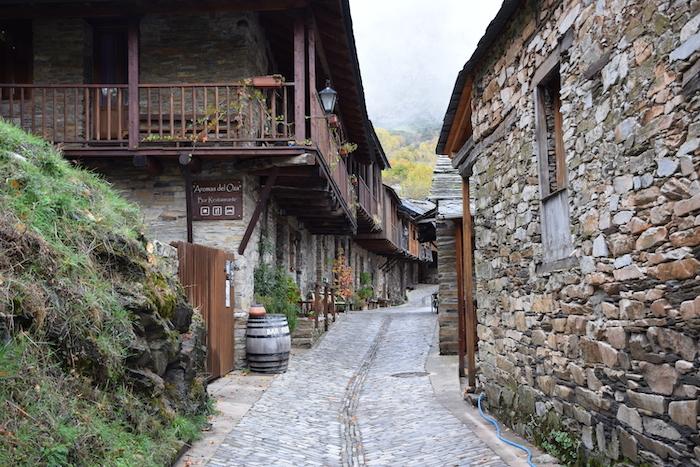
x,y
411,51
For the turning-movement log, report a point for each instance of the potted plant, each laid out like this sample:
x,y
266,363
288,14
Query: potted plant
x,y
347,148
333,121
353,180
365,292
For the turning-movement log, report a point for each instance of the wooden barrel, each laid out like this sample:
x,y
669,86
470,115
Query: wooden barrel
x,y
268,344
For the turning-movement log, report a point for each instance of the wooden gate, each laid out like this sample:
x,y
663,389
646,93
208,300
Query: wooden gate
x,y
207,276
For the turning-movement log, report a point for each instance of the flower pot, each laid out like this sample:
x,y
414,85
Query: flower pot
x,y
257,311
270,81
333,121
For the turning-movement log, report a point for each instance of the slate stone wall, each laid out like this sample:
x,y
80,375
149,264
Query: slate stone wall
x,y
204,48
605,344
62,48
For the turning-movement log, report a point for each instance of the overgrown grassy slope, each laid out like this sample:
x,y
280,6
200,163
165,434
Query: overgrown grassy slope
x,y
80,299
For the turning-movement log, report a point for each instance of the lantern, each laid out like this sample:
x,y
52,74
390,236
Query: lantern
x,y
328,97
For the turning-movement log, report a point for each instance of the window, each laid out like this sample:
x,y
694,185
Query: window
x,y
551,108
16,56
555,223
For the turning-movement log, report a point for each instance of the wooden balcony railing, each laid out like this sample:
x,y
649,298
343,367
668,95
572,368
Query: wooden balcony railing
x,y
68,113
173,115
367,200
181,114
328,145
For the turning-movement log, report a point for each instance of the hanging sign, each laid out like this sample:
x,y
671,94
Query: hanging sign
x,y
216,200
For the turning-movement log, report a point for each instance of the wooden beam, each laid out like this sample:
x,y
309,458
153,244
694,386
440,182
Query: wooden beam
x,y
151,164
301,160
461,126
296,190
320,53
312,64
299,80
558,136
188,201
468,268
133,80
264,196
461,319
80,10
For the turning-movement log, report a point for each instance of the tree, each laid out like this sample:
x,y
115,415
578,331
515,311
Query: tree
x,y
412,157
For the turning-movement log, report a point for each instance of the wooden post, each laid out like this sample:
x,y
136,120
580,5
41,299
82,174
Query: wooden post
x,y
299,80
314,123
326,295
461,319
317,303
468,261
333,310
133,79
184,161
262,202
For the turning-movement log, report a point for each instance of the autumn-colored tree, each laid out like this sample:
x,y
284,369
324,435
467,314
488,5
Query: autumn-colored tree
x,y
412,158
342,276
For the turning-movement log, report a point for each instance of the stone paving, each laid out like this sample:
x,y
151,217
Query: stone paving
x,y
360,397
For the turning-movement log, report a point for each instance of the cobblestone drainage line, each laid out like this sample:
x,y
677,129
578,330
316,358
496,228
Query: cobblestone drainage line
x,y
410,374
353,453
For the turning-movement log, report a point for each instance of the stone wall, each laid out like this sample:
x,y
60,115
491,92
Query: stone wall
x,y
62,50
205,48
605,344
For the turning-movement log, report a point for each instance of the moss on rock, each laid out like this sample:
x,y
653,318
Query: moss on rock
x,y
89,344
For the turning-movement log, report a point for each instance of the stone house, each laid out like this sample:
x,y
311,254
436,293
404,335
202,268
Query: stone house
x,y
210,118
576,126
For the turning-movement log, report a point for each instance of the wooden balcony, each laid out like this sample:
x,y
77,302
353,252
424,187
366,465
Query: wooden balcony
x,y
254,118
386,241
94,117
369,218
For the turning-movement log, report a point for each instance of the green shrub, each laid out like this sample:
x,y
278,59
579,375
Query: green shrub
x,y
365,293
562,445
277,292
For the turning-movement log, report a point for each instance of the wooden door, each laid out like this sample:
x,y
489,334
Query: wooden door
x,y
207,276
110,66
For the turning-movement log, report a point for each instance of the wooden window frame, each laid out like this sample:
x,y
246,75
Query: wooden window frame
x,y
541,80
555,223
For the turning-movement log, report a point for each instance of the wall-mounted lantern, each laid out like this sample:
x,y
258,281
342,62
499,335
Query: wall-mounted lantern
x,y
328,97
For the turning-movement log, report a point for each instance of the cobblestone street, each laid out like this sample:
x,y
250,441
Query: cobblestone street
x,y
360,397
